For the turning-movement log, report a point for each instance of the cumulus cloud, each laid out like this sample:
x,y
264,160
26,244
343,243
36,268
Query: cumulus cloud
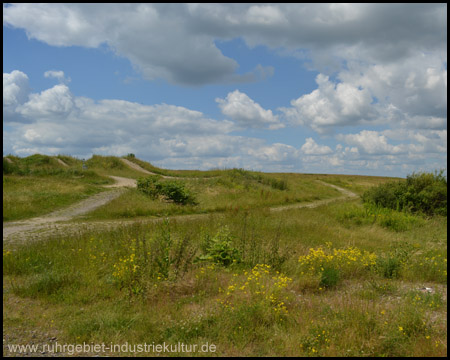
x,y
187,54
371,142
15,92
64,123
332,105
277,152
310,147
55,102
373,153
379,65
239,107
412,93
55,121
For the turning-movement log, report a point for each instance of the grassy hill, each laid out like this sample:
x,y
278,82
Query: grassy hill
x,y
38,184
341,279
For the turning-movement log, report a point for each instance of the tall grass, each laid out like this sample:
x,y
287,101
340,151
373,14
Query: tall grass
x,y
256,305
327,281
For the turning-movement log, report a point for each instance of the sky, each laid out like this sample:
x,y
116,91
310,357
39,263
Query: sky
x,y
310,88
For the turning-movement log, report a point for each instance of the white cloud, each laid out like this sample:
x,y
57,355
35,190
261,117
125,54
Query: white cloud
x,y
416,88
51,103
57,74
64,123
239,107
332,34
371,142
310,147
332,105
15,93
274,153
265,15
379,64
55,121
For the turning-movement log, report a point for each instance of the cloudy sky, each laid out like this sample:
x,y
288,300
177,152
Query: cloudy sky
x,y
312,88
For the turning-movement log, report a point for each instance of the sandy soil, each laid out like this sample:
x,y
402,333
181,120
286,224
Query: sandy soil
x,y
138,168
121,182
62,162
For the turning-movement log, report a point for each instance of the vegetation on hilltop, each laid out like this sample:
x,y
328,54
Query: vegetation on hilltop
x,y
423,192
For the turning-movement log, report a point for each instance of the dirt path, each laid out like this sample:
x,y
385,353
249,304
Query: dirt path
x,y
53,223
346,194
121,182
25,228
141,169
62,162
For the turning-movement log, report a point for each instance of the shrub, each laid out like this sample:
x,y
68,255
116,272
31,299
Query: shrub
x,y
172,190
148,185
329,277
176,191
421,193
219,248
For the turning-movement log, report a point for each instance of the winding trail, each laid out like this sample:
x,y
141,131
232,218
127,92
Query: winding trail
x,y
58,221
141,169
346,194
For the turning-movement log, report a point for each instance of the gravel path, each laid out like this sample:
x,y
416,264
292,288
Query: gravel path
x,y
20,230
57,221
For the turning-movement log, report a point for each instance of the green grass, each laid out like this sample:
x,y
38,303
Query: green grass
x,y
239,276
219,194
33,195
240,307
176,173
111,165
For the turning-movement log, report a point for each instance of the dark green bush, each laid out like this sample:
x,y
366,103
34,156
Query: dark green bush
x,y
148,185
170,189
424,193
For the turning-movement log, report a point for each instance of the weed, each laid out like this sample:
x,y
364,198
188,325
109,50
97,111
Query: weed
x,y
219,249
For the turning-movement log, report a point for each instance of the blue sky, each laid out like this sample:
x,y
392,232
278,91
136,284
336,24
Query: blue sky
x,y
314,88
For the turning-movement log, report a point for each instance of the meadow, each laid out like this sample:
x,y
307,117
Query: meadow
x,y
341,279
